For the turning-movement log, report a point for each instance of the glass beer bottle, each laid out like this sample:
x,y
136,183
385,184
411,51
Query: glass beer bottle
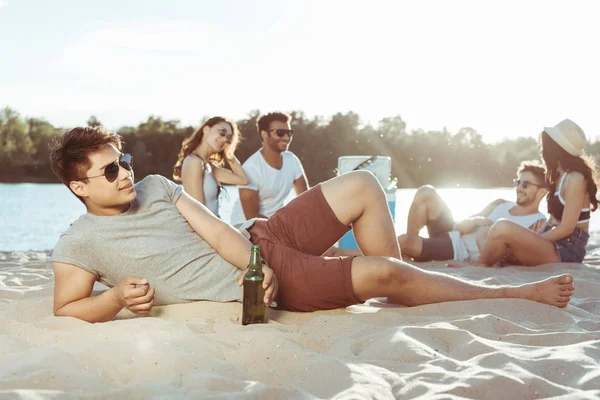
x,y
253,306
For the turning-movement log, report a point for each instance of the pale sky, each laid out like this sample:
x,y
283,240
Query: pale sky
x,y
505,68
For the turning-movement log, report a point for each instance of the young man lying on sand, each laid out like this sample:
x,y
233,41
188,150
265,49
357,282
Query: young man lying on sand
x,y
154,244
462,241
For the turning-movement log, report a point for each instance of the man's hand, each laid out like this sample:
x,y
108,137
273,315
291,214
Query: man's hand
x,y
540,226
482,221
468,225
270,284
135,293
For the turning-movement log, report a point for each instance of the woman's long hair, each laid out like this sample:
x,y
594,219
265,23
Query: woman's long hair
x,y
193,141
554,155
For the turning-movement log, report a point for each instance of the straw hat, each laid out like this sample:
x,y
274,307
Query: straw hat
x,y
568,135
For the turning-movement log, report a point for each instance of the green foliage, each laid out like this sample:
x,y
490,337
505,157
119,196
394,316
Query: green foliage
x,y
93,122
14,137
418,157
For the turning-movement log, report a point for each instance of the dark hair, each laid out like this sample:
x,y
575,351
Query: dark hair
x,y
535,167
554,155
69,156
263,122
190,144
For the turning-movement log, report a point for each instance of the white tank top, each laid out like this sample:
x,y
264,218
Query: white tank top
x,y
465,246
211,190
503,211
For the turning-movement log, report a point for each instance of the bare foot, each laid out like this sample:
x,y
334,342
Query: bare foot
x,y
556,291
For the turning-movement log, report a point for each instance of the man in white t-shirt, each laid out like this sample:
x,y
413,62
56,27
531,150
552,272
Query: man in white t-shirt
x,y
273,171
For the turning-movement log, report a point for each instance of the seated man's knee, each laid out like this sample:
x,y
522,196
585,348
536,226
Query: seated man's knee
x,y
365,177
425,193
365,182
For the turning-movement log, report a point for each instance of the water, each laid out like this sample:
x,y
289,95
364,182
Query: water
x,y
33,216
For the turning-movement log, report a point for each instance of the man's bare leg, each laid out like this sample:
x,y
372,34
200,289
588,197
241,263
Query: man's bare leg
x,y
358,199
426,206
406,284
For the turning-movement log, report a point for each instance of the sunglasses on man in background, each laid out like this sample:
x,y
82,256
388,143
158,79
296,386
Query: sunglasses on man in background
x,y
525,184
283,132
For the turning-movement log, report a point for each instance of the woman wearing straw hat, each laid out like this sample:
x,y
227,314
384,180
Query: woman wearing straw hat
x,y
200,163
572,187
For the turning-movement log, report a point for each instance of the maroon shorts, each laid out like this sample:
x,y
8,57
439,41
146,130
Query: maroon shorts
x,y
292,241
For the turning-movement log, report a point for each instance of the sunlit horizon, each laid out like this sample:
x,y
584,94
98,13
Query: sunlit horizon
x,y
506,69
64,207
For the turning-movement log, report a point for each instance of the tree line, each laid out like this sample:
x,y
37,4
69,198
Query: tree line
x,y
419,157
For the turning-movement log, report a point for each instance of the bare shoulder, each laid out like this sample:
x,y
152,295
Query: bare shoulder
x,y
193,160
575,184
192,165
576,176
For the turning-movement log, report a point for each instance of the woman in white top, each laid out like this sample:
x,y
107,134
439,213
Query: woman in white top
x,y
201,158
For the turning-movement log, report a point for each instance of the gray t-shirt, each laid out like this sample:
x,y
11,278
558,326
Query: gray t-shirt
x,y
152,240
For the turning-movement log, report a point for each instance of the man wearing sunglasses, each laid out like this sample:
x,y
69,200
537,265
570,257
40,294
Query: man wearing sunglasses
x,y
461,241
152,243
273,171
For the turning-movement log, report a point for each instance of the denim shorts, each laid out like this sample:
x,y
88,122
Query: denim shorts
x,y
572,248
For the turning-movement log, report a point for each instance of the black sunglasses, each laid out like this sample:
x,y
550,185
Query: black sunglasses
x,y
283,132
111,171
525,184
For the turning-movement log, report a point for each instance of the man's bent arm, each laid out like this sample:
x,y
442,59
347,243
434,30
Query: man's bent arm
x,y
226,240
301,184
469,224
250,203
72,295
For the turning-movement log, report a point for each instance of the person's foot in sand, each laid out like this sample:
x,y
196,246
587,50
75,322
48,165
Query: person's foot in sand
x,y
556,291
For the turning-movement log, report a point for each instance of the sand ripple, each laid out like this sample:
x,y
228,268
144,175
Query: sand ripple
x,y
492,349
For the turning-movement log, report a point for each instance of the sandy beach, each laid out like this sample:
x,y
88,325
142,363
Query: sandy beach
x,y
492,349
